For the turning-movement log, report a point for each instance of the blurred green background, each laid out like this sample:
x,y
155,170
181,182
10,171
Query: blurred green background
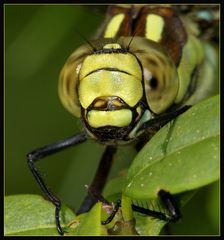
x,y
38,40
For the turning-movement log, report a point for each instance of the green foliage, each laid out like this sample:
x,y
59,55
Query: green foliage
x,y
89,224
182,156
31,215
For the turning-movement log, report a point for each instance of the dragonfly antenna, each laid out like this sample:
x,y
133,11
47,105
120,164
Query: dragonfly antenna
x,y
87,41
128,47
133,25
135,31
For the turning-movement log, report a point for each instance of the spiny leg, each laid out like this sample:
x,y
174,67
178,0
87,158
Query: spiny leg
x,y
169,203
39,153
99,180
167,199
117,205
156,123
98,197
150,127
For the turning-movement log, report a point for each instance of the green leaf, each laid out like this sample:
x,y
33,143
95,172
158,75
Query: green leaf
x,y
126,208
213,206
113,189
90,223
182,156
123,223
32,215
148,226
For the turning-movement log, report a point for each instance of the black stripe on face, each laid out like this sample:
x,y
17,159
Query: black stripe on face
x,y
107,69
110,50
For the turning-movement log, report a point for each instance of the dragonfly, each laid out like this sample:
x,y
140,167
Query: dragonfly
x,y
147,65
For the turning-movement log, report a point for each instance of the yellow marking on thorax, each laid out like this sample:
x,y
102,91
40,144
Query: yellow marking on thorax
x,y
154,27
114,25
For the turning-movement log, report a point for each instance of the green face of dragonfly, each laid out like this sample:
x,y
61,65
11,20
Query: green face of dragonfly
x,y
111,87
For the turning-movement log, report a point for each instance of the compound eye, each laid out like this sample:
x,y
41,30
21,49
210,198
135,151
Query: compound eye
x,y
161,83
68,81
161,86
151,81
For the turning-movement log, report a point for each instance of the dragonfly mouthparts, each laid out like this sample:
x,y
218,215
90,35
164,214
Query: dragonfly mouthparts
x,y
107,103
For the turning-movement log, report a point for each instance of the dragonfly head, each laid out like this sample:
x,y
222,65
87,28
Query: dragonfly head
x,y
111,87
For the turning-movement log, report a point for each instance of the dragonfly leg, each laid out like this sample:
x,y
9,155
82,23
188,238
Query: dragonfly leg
x,y
39,153
156,123
115,210
99,180
98,197
170,204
